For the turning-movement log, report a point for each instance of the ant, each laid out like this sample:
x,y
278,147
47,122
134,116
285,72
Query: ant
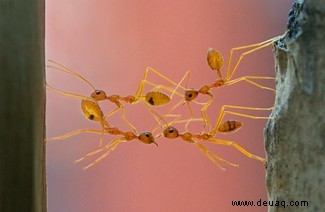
x,y
145,137
229,126
215,61
225,109
153,98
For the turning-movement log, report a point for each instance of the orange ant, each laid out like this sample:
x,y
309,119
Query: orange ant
x,y
215,61
229,126
154,97
171,132
92,110
224,110
144,137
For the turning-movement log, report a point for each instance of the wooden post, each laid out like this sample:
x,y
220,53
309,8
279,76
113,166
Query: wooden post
x,y
295,137
22,106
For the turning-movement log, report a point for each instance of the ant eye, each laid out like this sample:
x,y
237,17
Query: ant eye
x,y
171,130
190,95
98,92
147,135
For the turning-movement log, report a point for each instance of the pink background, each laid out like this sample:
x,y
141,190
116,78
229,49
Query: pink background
x,y
111,43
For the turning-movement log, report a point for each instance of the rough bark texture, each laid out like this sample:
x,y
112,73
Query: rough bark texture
x,y
295,137
22,106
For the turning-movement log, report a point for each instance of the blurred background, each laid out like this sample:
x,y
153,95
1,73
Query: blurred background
x,y
111,43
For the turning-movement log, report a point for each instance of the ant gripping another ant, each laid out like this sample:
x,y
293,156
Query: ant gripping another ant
x,y
215,61
91,108
221,126
171,132
152,98
229,126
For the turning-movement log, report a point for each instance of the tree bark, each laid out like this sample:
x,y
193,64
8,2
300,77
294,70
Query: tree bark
x,y
295,136
22,106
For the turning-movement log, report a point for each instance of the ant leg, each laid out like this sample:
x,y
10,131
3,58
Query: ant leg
x,y
105,154
112,112
204,115
248,79
161,118
102,123
187,76
113,143
185,121
192,115
126,120
154,113
140,89
239,148
257,46
62,137
160,75
203,111
121,106
213,156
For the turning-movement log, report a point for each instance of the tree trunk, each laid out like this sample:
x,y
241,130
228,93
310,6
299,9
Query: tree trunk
x,y
295,137
22,107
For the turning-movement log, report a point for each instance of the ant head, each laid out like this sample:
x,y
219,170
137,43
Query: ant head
x,y
147,138
170,132
190,94
98,95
